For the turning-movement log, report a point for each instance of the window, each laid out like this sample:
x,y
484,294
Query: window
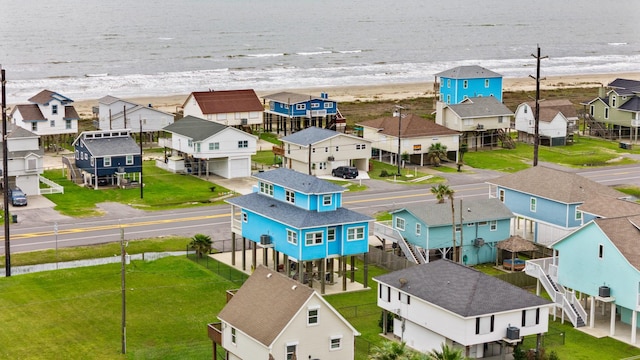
x,y
198,148
465,84
355,233
292,237
485,325
221,117
67,124
493,225
77,155
233,336
312,316
418,229
107,161
34,126
301,106
600,251
525,108
245,217
331,234
530,317
315,105
326,200
501,195
52,123
532,204
361,146
129,160
54,109
337,149
606,113
486,83
400,223
214,146
448,83
291,351
458,227
31,164
190,143
613,100
322,165
328,105
482,223
313,238
592,109
92,163
500,119
578,215
243,144
290,196
335,343
448,99
266,188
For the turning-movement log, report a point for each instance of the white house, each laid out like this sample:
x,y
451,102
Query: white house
x,y
209,147
229,107
416,137
481,120
445,302
325,149
115,113
48,113
274,317
25,159
558,119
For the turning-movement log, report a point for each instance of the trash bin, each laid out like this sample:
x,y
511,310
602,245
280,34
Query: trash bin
x,y
14,218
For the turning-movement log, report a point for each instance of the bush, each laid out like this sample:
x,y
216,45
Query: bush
x,y
384,173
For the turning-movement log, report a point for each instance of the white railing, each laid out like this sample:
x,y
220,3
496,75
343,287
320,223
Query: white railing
x,y
164,142
53,188
384,229
407,251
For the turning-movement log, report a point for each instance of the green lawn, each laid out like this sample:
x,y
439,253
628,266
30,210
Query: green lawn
x,y
162,190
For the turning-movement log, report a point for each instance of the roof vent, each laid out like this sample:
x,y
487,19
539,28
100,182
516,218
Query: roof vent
x,y
403,282
269,275
294,287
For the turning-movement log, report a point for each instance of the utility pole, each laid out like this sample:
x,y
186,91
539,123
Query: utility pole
x,y
124,298
536,136
141,163
5,176
398,111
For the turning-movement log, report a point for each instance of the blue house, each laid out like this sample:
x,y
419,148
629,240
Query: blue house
x,y
601,261
462,82
302,111
302,218
109,157
480,224
546,201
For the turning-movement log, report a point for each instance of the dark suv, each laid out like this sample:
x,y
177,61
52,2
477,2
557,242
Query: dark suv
x,y
345,172
17,197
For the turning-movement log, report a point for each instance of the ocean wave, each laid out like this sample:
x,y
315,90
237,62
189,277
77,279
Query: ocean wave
x,y
617,43
311,53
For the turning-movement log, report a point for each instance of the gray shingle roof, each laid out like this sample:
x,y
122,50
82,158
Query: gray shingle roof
x,y
294,216
476,107
474,210
460,289
627,84
632,104
310,135
265,304
298,181
112,146
195,128
557,185
468,72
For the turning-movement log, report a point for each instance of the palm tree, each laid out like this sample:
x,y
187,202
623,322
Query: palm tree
x,y
392,350
441,192
446,353
201,243
436,152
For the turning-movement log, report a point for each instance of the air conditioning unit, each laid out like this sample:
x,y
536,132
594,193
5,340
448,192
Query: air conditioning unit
x,y
265,239
604,291
479,242
513,333
331,158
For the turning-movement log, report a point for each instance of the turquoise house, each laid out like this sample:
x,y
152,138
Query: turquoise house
x,y
479,225
601,261
462,82
300,217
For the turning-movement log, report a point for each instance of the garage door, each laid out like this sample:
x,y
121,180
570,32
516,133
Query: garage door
x,y
239,168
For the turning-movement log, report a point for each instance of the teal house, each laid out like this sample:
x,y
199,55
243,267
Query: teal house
x,y
479,225
601,261
462,82
301,219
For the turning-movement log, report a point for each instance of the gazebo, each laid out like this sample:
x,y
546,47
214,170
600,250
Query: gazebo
x,y
514,244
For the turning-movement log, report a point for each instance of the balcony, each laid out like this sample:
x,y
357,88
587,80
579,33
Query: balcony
x,y
278,150
214,330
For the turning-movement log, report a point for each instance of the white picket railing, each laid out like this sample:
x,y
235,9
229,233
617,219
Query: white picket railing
x,y
53,188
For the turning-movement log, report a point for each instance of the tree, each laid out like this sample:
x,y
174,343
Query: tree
x,y
446,353
201,243
436,153
392,350
441,192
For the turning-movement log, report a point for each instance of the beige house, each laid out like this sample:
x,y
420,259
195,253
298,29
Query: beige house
x,y
483,121
416,136
317,151
274,317
229,107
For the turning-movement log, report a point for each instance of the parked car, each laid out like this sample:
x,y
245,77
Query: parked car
x,y
17,197
345,172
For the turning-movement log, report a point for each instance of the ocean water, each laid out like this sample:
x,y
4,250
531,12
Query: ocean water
x,y
86,49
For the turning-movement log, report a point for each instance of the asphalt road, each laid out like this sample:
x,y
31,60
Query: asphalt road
x,y
52,231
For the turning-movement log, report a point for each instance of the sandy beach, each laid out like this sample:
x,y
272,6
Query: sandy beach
x,y
170,103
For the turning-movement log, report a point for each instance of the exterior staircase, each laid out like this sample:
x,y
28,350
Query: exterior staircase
x,y
384,231
546,271
507,141
596,128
